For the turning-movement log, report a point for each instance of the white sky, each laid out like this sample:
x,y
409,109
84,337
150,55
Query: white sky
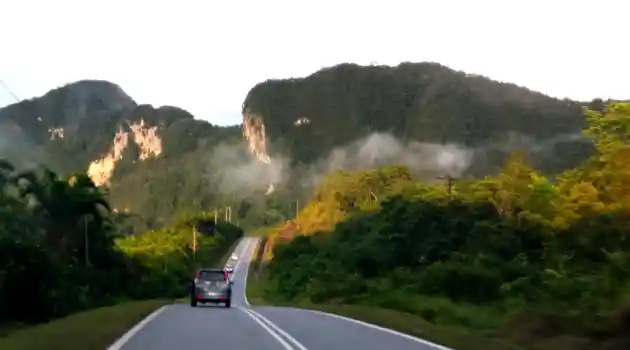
x,y
205,55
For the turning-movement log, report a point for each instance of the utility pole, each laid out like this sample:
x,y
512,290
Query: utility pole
x,y
85,240
194,243
216,214
86,247
449,182
228,213
297,207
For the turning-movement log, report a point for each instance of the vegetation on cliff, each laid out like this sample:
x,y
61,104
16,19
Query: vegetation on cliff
x,y
427,102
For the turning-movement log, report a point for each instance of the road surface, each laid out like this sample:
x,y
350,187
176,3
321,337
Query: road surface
x,y
242,327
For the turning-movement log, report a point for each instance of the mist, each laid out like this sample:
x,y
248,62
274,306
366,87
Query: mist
x,y
427,161
238,173
513,141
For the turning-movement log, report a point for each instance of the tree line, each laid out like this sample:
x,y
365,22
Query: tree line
x,y
537,260
62,248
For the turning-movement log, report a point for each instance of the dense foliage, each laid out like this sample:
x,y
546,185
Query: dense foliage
x,y
534,259
59,250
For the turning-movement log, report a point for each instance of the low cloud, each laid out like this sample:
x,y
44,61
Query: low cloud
x,y
238,173
425,160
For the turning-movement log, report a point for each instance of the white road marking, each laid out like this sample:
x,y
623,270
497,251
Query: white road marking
x,y
284,344
118,345
137,328
347,319
382,329
279,330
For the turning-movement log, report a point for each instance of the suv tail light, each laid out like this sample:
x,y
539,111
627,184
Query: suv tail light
x,y
226,275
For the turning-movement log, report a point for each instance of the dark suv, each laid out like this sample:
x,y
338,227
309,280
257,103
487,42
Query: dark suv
x,y
211,286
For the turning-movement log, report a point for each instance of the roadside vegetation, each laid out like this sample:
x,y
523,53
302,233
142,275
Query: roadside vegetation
x,y
259,293
62,251
535,261
94,329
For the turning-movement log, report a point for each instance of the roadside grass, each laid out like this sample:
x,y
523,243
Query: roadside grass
x,y
261,232
89,330
453,337
254,286
11,327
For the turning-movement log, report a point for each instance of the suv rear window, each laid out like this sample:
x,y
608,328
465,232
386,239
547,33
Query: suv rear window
x,y
211,276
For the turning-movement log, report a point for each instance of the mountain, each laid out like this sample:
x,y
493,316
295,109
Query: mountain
x,y
95,126
158,161
42,127
309,118
75,127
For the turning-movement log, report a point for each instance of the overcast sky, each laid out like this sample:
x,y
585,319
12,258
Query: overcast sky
x,y
205,55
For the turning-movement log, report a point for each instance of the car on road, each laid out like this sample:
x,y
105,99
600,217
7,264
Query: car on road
x,y
234,257
211,286
229,268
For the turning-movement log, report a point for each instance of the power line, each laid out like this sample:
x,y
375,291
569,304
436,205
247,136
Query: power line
x,y
17,99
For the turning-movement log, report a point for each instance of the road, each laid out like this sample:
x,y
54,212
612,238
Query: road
x,y
243,327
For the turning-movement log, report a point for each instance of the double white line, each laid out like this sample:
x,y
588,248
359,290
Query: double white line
x,y
287,341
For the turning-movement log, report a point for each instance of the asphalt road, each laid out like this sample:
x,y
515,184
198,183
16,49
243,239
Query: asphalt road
x,y
181,327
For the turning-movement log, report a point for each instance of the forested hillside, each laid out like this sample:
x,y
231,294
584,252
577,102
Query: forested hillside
x,y
433,119
140,153
541,262
310,117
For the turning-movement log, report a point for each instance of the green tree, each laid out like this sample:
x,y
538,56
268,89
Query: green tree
x,y
65,206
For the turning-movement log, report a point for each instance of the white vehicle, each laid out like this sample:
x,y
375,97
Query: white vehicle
x,y
234,257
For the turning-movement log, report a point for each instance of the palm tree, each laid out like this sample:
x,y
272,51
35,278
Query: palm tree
x,y
65,205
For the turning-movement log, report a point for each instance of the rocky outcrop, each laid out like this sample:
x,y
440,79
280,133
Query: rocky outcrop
x,y
145,137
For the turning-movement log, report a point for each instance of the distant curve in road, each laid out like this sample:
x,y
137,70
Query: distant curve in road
x,y
243,327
